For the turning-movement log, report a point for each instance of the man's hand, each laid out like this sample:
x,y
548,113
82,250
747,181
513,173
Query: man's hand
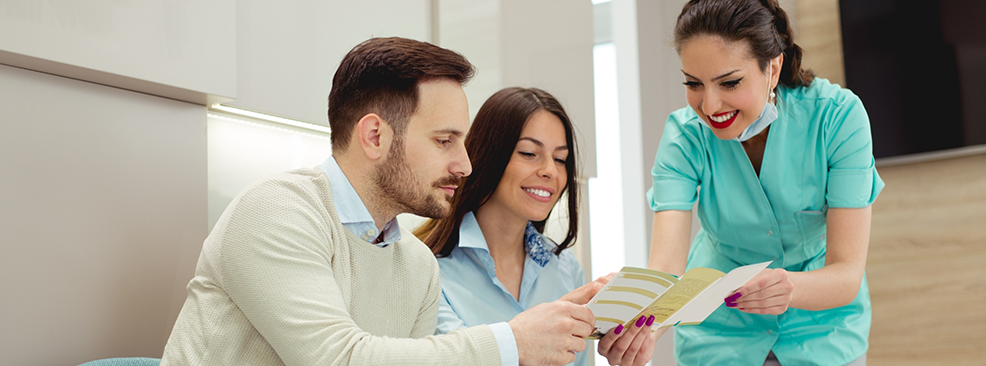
x,y
583,294
631,346
550,333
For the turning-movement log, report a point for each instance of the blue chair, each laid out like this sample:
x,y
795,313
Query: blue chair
x,y
125,361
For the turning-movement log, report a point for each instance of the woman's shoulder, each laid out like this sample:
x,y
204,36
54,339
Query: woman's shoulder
x,y
821,92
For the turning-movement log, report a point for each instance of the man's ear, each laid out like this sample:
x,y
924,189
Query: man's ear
x,y
374,136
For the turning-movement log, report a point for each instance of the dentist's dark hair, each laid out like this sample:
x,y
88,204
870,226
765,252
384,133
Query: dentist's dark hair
x,y
761,23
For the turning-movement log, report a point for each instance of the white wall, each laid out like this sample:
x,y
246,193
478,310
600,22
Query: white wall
x,y
243,150
103,216
177,49
288,50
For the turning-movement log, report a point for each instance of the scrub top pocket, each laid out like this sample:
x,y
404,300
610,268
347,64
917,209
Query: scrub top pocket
x,y
812,226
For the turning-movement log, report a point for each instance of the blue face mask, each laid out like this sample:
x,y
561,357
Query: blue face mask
x,y
768,115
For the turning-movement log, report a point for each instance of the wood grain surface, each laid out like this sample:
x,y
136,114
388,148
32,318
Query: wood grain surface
x,y
927,264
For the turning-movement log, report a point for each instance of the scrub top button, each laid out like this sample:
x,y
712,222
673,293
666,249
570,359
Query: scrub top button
x,y
770,233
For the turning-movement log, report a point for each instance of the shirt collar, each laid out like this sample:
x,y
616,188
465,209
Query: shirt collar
x,y
471,236
352,212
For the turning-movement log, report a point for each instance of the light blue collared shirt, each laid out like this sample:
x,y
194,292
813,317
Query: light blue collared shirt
x,y
353,212
472,295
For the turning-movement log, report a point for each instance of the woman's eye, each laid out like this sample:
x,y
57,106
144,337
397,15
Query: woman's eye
x,y
731,84
560,161
527,154
692,84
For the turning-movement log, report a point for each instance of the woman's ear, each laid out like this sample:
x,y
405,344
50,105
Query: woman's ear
x,y
775,67
374,136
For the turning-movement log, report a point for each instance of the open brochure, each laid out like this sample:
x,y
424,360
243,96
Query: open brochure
x,y
689,299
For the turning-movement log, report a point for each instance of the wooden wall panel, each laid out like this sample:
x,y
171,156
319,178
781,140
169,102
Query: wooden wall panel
x,y
819,33
927,264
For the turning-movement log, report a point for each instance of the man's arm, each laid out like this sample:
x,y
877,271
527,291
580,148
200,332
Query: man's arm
x,y
276,267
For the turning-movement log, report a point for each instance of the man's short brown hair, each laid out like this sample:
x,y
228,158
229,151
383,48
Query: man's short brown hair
x,y
381,76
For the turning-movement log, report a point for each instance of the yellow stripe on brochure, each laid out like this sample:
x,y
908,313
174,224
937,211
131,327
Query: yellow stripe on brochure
x,y
653,279
649,272
633,290
611,320
618,302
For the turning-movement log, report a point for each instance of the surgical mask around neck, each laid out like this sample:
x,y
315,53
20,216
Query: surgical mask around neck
x,y
767,115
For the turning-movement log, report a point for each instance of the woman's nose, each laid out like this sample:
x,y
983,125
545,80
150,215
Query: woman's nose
x,y
710,103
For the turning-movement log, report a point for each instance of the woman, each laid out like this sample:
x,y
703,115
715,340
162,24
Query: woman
x,y
785,166
494,260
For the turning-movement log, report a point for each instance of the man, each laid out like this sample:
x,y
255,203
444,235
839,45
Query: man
x,y
310,267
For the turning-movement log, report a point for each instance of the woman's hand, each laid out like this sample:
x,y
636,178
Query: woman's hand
x,y
631,346
583,294
770,292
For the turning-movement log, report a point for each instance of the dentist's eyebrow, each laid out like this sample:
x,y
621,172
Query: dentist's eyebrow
x,y
713,79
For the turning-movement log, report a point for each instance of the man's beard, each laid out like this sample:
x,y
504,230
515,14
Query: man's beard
x,y
397,185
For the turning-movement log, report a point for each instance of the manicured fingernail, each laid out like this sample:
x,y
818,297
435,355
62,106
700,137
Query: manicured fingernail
x,y
731,304
734,297
650,320
619,328
641,321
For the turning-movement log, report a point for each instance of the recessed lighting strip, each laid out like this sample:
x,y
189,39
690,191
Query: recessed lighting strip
x,y
270,118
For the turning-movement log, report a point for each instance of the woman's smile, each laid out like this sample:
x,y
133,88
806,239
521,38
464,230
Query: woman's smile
x,y
723,120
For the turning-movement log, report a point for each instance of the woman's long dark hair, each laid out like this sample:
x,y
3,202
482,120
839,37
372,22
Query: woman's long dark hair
x,y
490,143
762,23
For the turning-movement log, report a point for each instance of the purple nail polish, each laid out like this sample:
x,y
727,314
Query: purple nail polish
x,y
641,321
619,328
650,321
734,297
731,304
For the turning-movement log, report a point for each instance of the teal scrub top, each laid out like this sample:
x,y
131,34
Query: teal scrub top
x,y
818,155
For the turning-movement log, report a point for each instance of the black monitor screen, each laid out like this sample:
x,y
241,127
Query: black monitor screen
x,y
919,67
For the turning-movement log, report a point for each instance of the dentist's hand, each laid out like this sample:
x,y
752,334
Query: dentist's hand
x,y
631,346
770,292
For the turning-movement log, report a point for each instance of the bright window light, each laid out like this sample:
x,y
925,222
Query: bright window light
x,y
606,190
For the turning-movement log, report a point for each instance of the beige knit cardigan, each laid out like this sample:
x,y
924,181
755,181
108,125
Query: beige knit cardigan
x,y
281,282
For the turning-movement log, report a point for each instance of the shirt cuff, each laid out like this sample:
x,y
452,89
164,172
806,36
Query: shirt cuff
x,y
506,342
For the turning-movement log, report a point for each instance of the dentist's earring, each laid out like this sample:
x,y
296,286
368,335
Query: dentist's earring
x,y
772,96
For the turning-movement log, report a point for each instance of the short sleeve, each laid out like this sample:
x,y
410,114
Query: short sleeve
x,y
853,181
677,168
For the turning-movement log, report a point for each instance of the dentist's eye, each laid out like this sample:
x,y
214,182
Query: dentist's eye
x,y
693,85
731,84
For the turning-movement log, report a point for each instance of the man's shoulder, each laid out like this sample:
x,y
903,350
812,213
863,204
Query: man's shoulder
x,y
298,182
414,250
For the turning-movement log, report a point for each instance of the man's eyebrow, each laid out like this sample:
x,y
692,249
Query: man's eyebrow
x,y
713,79
541,144
450,131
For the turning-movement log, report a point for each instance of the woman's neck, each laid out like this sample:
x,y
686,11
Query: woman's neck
x,y
503,231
